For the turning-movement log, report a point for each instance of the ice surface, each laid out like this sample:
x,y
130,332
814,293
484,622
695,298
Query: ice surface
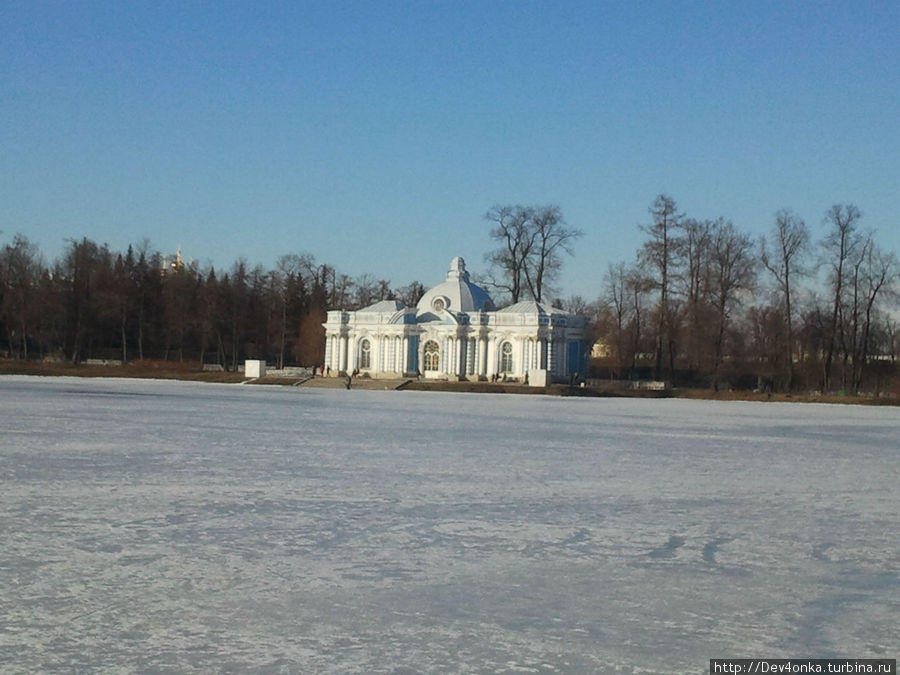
x,y
178,527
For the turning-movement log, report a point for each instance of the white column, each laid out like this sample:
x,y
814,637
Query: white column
x,y
523,356
342,353
375,357
491,357
454,356
454,350
476,356
404,355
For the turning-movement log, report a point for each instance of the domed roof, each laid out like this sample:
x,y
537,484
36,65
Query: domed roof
x,y
456,293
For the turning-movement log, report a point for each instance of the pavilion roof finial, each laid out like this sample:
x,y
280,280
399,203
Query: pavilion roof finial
x,y
457,269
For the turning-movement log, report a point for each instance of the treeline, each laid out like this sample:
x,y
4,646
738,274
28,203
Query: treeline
x,y
95,303
706,305
703,303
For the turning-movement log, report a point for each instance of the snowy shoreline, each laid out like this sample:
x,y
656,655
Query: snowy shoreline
x,y
184,375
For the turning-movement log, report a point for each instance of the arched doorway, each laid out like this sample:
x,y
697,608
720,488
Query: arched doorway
x,y
431,357
506,358
365,354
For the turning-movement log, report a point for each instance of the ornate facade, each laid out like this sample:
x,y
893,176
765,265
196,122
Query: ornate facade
x,y
456,333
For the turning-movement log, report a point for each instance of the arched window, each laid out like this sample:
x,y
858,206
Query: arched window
x,y
506,357
365,355
432,355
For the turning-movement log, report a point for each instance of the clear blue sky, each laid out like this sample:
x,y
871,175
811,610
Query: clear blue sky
x,y
375,135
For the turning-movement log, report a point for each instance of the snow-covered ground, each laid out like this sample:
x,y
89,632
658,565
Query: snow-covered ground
x,y
179,527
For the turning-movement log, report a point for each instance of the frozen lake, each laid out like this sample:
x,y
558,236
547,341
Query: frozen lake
x,y
176,527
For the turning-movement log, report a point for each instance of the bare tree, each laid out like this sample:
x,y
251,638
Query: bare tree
x,y
575,304
840,246
891,333
512,231
639,287
341,292
410,294
552,238
366,290
532,241
694,254
733,270
878,276
384,290
790,242
618,298
658,256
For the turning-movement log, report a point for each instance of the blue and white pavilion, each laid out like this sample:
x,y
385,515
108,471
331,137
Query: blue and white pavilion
x,y
456,333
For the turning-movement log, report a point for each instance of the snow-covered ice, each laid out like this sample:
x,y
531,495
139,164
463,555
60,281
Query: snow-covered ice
x,y
179,527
